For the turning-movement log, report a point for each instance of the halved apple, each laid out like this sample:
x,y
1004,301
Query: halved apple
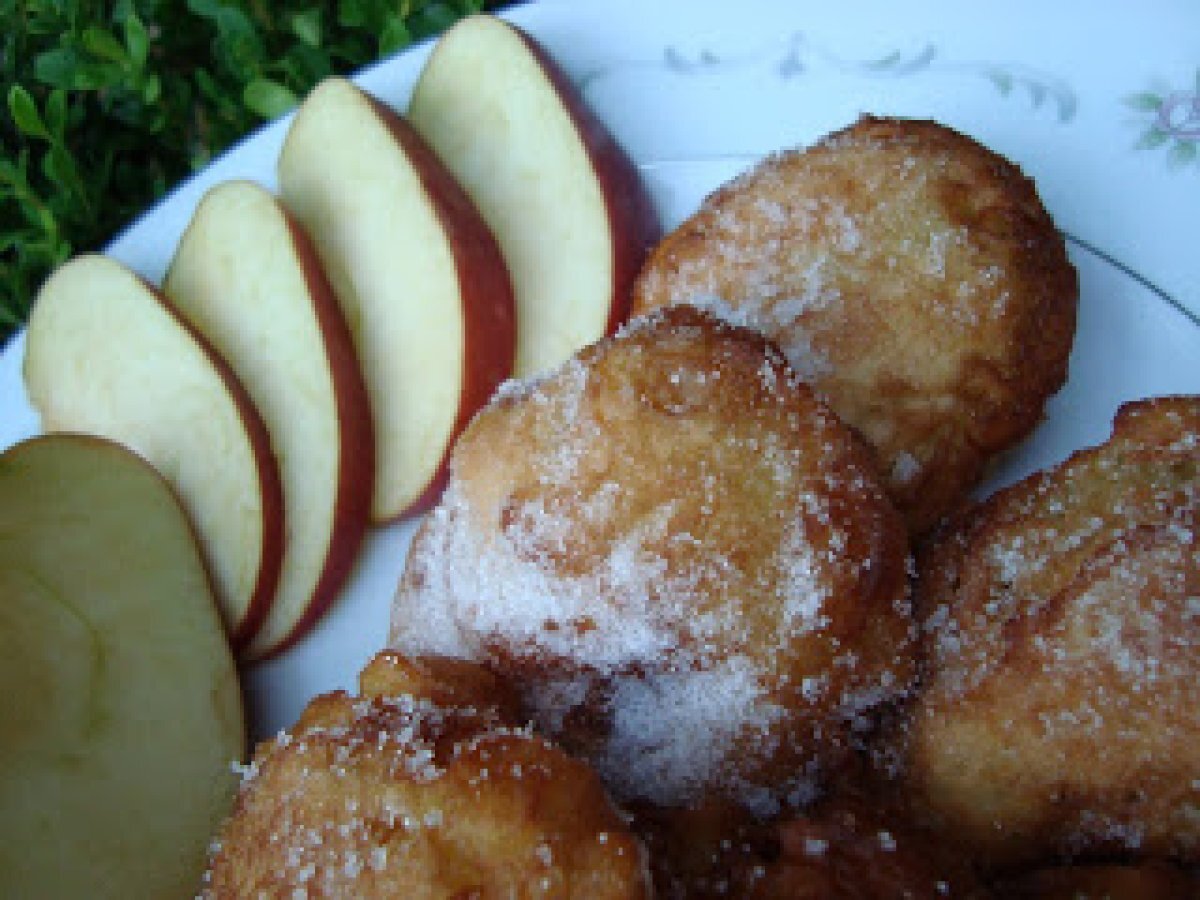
x,y
106,355
120,711
566,203
418,275
248,279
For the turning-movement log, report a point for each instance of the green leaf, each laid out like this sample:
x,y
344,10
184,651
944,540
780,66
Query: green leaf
x,y
306,25
210,91
1002,80
13,182
432,19
206,9
1154,137
1184,152
56,113
269,99
60,168
237,45
353,13
1145,101
44,219
57,67
99,42
10,241
24,113
394,37
151,90
304,66
137,40
885,62
63,68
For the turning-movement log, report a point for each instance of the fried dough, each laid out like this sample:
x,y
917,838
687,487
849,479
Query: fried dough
x,y
910,274
680,557
1059,713
393,795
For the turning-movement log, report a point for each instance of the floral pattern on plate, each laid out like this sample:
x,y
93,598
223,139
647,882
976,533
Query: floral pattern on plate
x,y
1171,120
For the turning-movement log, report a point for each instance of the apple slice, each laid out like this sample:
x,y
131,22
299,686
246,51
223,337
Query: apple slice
x,y
248,279
105,354
121,711
569,208
417,273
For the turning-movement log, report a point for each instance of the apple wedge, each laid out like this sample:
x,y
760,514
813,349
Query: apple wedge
x,y
105,354
248,279
418,276
121,712
566,203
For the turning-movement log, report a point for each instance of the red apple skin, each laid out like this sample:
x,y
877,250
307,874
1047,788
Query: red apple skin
x,y
486,291
269,482
270,485
356,470
632,218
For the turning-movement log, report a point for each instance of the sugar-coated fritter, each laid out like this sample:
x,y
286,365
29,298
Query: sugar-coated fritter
x,y
422,787
910,274
684,562
1059,715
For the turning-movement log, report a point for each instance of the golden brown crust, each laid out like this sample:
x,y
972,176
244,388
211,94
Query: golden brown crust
x,y
391,795
442,680
910,274
1062,623
682,558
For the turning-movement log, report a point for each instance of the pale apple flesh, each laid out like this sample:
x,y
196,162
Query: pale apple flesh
x,y
122,712
247,278
419,278
105,355
567,205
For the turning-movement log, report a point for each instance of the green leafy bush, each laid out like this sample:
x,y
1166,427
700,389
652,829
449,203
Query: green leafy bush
x,y
109,105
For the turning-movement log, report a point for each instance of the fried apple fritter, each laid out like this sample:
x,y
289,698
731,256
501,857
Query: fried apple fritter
x,y
681,558
1059,715
390,794
910,274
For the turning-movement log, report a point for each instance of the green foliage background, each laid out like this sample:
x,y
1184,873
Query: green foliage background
x,y
109,105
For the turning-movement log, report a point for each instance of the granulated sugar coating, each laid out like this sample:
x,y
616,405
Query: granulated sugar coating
x,y
910,274
421,795
680,557
1061,709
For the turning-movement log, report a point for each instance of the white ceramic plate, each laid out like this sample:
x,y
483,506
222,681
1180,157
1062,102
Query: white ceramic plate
x,y
1099,103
